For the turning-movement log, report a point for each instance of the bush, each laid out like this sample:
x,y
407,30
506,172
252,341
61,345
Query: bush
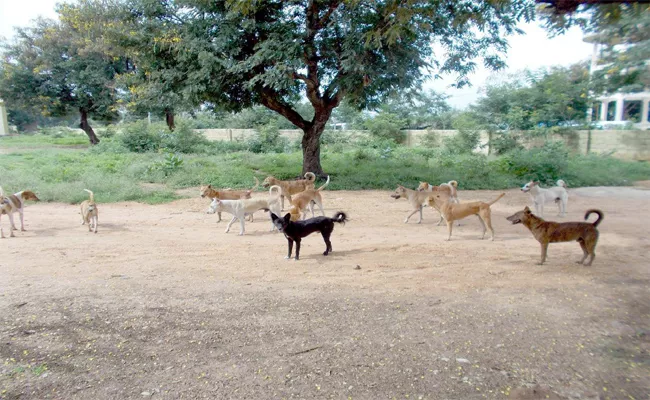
x,y
431,139
267,139
468,137
140,137
505,141
184,139
386,126
546,164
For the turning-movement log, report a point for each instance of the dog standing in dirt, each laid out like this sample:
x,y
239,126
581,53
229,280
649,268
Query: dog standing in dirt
x,y
301,201
449,189
415,198
228,194
289,188
546,232
455,211
540,195
295,231
15,203
239,208
89,212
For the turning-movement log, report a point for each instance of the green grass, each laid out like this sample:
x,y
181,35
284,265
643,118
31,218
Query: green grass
x,y
40,140
59,174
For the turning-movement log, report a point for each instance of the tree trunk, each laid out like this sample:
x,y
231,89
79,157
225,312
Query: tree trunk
x,y
169,118
85,126
311,142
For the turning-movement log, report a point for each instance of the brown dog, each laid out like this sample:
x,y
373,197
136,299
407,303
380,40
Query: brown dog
x,y
89,212
415,199
304,199
290,188
455,211
547,232
449,189
15,203
228,194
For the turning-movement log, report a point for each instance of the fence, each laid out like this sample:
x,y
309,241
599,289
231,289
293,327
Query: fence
x,y
625,144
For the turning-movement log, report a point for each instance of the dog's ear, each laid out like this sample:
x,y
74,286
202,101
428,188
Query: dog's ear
x,y
527,210
287,217
209,186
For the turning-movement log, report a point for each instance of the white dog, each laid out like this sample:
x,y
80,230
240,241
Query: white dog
x,y
558,194
239,208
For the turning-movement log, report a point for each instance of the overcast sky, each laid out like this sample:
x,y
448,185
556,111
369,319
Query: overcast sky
x,y
533,50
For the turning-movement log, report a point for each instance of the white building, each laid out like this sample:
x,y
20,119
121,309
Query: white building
x,y
4,127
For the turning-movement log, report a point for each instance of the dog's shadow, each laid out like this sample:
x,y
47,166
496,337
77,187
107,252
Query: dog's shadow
x,y
334,254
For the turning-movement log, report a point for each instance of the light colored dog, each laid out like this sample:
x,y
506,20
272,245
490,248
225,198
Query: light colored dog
x,y
415,198
558,194
15,203
228,194
239,208
449,189
289,188
304,199
455,211
89,212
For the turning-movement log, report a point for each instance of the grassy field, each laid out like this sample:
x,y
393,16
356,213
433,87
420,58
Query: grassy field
x,y
58,167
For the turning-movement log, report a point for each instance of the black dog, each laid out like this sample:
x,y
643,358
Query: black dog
x,y
295,231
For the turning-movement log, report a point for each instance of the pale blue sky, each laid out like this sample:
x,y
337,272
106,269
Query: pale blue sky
x,y
533,50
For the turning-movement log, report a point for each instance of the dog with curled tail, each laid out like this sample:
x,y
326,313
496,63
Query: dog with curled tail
x,y
89,212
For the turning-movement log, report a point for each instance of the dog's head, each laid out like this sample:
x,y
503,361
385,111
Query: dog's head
x,y
205,190
29,195
527,187
215,206
399,192
437,199
520,216
281,223
268,181
423,186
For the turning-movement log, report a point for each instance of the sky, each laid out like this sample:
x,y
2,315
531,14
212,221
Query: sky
x,y
533,50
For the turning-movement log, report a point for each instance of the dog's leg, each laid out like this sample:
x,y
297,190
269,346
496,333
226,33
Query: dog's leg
x,y
96,222
241,225
544,251
290,245
480,219
441,218
297,249
420,220
450,226
585,252
22,219
11,224
411,214
2,233
219,215
311,208
230,223
321,208
328,244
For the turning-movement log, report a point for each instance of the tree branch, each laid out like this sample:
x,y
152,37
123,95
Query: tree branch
x,y
271,100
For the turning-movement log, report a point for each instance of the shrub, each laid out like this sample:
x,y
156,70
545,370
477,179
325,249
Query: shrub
x,y
267,139
546,164
184,139
431,139
387,126
468,137
140,137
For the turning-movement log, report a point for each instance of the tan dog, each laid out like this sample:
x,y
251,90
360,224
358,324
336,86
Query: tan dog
x,y
449,189
304,199
547,232
15,203
89,212
228,194
415,198
289,188
455,211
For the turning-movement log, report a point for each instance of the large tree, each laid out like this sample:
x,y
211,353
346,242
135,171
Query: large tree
x,y
59,67
235,54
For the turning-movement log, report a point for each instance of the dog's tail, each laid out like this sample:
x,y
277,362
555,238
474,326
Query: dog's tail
x,y
257,184
597,212
92,195
497,199
561,183
453,183
340,217
326,183
277,189
310,176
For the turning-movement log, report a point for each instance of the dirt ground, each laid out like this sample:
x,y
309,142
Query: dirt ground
x,y
162,303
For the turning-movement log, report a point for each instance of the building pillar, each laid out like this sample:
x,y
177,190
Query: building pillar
x,y
645,107
603,110
619,109
4,126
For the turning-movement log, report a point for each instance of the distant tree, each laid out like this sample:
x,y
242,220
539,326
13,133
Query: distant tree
x,y
419,109
236,54
55,68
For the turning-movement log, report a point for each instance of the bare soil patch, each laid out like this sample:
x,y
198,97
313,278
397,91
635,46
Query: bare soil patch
x,y
162,303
